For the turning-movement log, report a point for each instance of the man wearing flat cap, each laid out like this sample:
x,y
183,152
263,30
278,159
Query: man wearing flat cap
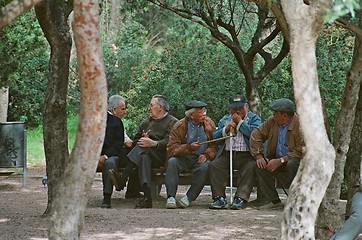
x,y
283,152
185,150
241,122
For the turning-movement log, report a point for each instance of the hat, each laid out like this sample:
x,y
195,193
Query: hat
x,y
237,101
282,105
194,104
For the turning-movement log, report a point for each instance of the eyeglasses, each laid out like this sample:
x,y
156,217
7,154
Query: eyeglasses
x,y
152,105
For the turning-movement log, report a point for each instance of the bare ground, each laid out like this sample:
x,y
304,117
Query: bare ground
x,y
21,212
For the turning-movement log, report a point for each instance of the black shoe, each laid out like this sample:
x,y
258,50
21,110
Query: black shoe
x,y
256,203
106,203
144,203
117,180
130,195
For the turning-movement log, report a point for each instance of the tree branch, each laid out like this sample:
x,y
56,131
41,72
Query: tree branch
x,y
355,29
14,9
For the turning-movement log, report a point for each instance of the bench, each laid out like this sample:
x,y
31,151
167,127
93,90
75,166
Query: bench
x,y
185,177
158,178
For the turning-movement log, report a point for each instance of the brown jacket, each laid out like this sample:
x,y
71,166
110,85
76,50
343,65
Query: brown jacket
x,y
268,131
177,140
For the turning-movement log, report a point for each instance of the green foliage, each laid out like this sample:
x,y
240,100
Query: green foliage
x,y
190,67
341,8
334,55
279,84
35,143
124,54
24,64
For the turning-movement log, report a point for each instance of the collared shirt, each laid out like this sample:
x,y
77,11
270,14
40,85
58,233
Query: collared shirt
x,y
282,147
196,133
238,141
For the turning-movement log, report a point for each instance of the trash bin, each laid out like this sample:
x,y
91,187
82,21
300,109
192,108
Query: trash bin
x,y
12,144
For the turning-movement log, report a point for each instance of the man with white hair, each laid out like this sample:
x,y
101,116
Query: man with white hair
x,y
186,151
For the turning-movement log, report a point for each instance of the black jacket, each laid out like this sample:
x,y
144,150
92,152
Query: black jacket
x,y
114,138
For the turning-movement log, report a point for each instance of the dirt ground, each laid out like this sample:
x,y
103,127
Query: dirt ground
x,y
21,212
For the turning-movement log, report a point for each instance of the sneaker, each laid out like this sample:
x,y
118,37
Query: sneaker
x,y
271,205
171,203
219,203
238,204
184,202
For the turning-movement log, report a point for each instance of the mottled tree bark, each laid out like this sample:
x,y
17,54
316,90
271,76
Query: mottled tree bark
x,y
53,19
329,215
14,9
354,154
67,220
307,190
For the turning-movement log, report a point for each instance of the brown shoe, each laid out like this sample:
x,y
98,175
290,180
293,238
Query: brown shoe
x,y
144,203
117,180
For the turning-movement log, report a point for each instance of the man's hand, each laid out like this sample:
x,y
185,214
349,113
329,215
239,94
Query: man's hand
x,y
202,158
128,144
229,127
146,134
101,160
194,146
236,118
209,126
146,142
262,162
267,164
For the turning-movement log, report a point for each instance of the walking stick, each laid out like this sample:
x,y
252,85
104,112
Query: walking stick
x,y
231,166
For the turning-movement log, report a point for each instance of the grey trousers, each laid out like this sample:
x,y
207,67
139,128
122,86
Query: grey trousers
x,y
199,176
266,179
220,171
115,163
352,227
146,158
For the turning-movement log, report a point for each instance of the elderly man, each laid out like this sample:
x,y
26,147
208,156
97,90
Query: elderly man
x,y
149,147
241,122
284,150
113,154
186,151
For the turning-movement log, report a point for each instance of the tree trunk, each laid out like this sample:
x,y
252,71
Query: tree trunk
x,y
4,103
69,206
329,213
53,19
316,168
354,154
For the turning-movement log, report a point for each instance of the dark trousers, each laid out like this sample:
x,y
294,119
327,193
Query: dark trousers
x,y
115,163
145,159
220,170
266,179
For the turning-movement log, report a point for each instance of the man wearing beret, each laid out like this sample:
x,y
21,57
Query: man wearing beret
x,y
283,152
186,151
241,122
